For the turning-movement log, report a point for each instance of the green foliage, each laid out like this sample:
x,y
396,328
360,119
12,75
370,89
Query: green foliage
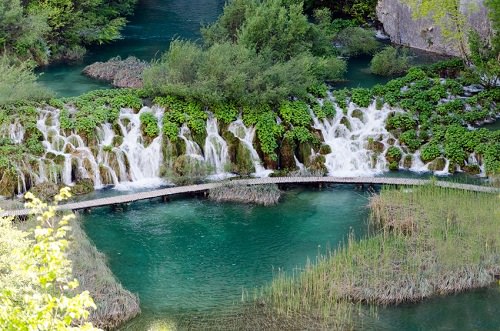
x,y
361,96
393,154
170,130
37,292
430,152
357,41
390,62
401,121
149,124
59,29
341,98
18,82
271,48
226,113
268,131
360,11
486,66
410,139
295,113
301,134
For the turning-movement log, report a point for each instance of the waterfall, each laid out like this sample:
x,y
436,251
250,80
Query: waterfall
x,y
143,161
348,135
192,148
216,150
246,136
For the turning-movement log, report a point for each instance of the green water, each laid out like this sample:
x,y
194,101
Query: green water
x,y
192,255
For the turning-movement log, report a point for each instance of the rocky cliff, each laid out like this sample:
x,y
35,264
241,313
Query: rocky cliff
x,y
423,33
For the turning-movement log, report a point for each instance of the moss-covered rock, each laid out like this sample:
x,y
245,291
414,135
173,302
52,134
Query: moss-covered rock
x,y
287,160
394,166
393,154
325,149
407,161
45,191
345,121
117,141
376,146
438,164
243,164
8,182
472,169
358,113
83,186
317,164
304,152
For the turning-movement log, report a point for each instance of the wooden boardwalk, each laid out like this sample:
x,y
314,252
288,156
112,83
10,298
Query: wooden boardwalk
x,y
171,191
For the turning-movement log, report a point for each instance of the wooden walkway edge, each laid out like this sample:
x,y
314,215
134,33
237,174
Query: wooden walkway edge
x,y
166,192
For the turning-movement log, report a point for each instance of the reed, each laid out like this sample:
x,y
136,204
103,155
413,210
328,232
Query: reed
x,y
115,305
427,241
266,195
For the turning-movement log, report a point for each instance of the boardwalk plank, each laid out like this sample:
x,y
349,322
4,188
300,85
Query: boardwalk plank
x,y
129,198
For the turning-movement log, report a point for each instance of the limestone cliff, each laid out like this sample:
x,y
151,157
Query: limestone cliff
x,y
422,33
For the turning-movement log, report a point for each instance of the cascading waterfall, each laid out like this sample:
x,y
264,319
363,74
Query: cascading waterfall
x,y
216,149
348,135
246,136
132,163
144,161
193,150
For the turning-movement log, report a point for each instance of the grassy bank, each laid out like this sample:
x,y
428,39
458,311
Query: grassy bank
x,y
115,305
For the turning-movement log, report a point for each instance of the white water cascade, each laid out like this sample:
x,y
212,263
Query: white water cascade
x,y
246,136
126,163
348,135
216,149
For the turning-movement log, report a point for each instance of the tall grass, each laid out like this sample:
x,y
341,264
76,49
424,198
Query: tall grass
x,y
427,241
268,194
115,305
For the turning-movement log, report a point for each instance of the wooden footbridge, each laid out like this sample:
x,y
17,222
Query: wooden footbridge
x,y
122,200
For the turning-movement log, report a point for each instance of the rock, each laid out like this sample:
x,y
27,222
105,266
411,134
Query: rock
x,y
120,73
407,161
438,164
398,23
472,169
325,149
376,146
358,113
45,191
287,160
83,186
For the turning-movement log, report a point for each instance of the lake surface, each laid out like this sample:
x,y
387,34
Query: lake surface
x,y
194,255
149,32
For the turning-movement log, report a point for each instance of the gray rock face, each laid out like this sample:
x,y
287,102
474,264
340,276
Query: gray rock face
x,y
422,33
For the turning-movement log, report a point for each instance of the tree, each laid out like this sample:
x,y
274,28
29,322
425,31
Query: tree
x,y
37,292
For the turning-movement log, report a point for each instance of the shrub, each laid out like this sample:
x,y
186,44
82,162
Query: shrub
x,y
390,62
357,41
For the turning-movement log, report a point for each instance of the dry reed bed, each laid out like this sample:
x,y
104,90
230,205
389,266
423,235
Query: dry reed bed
x,y
115,305
266,195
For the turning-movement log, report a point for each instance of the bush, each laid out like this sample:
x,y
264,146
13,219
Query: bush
x,y
357,41
390,62
18,83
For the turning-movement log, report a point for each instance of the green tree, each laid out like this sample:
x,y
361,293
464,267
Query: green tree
x,y
37,292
